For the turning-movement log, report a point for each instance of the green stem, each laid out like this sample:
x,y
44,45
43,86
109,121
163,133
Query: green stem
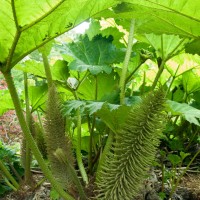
x,y
91,143
105,153
184,171
78,149
191,140
15,173
39,183
47,69
28,121
173,78
164,59
160,71
126,62
91,129
10,185
163,176
8,175
29,137
133,72
143,84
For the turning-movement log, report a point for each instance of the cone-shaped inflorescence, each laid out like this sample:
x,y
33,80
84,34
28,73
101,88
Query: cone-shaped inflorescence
x,y
39,138
55,138
133,150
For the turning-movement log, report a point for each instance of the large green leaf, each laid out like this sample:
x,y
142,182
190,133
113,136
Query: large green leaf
x,y
59,69
163,16
32,67
93,107
90,107
112,115
72,105
190,113
166,46
104,85
95,55
114,118
27,25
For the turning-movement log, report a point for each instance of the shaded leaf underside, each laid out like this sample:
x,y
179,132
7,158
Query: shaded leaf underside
x,y
172,17
27,25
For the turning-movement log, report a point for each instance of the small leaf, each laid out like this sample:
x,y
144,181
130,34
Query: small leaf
x,y
54,194
176,145
162,195
174,159
184,155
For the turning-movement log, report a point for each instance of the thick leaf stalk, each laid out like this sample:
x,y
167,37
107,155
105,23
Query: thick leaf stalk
x,y
29,121
133,150
29,137
126,62
78,149
56,139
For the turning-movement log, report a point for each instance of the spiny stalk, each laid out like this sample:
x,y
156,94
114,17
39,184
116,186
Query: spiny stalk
x,y
55,138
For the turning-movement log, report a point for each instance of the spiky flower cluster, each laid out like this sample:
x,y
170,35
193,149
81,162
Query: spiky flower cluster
x,y
133,150
55,138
